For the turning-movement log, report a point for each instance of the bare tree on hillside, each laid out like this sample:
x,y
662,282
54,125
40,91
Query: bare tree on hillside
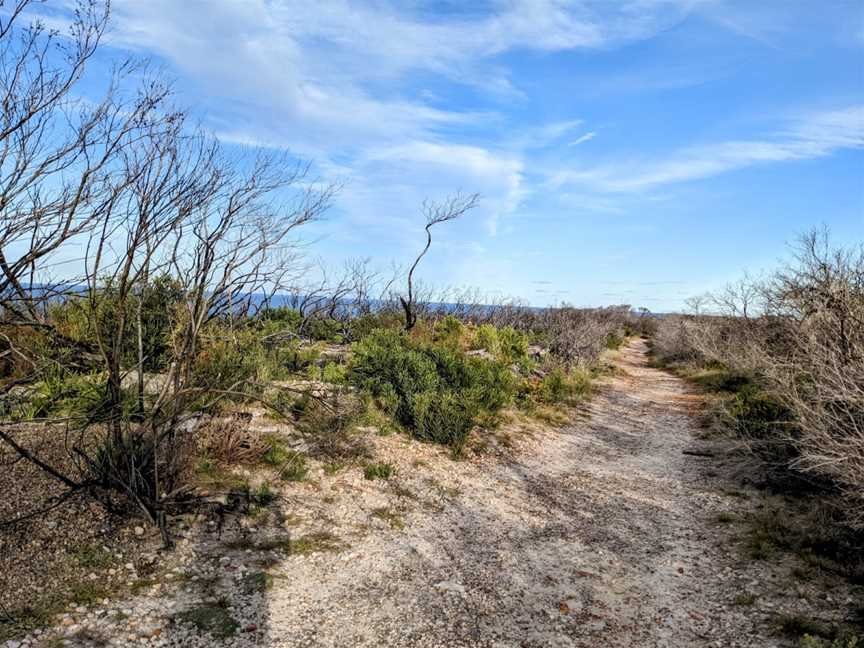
x,y
435,213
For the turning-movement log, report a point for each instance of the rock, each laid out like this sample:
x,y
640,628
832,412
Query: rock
x,y
139,531
537,352
67,621
450,587
251,627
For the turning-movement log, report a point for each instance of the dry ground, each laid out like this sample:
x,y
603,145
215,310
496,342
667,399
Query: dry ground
x,y
603,533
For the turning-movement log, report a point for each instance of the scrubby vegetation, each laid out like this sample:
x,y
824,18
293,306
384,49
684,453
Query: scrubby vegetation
x,y
194,304
787,353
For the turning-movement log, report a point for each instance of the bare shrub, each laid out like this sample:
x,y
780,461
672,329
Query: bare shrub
x,y
126,181
800,333
228,440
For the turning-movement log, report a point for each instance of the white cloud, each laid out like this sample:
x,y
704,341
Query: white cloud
x,y
438,168
584,138
815,136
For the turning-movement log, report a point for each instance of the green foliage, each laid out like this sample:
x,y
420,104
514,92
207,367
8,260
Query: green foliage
x,y
63,393
561,386
379,470
332,372
614,340
277,454
364,325
513,345
717,378
441,417
845,641
99,315
294,468
281,318
435,391
323,329
486,337
448,332
293,357
127,460
263,494
814,633
212,619
93,557
229,359
756,415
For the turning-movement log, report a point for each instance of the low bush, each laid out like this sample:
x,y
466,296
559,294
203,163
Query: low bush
x,y
561,386
448,332
435,391
379,470
512,345
486,338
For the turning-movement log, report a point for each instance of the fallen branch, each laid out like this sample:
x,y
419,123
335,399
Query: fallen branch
x,y
698,453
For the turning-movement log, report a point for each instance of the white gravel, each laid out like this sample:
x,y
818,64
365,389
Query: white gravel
x,y
599,534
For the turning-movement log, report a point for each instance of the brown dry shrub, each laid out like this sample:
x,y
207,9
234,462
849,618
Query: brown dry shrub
x,y
231,441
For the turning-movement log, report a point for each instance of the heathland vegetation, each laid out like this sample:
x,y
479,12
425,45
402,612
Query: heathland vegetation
x,y
787,350
154,290
150,281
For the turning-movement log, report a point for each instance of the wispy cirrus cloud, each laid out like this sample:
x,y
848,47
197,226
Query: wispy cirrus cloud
x,y
814,136
582,139
405,100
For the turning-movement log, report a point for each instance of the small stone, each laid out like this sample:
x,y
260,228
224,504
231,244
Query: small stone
x,y
251,627
139,531
450,587
67,621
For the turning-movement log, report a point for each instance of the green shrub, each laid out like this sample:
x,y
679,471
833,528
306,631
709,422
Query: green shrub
x,y
334,373
435,391
73,395
614,341
83,318
364,325
323,329
281,318
559,386
442,417
379,471
448,331
128,460
277,454
717,378
263,495
513,345
756,415
225,362
486,337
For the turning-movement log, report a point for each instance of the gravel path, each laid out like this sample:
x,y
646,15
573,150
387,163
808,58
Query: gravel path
x,y
603,533
602,536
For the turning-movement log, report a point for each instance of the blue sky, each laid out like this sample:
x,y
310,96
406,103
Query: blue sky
x,y
636,152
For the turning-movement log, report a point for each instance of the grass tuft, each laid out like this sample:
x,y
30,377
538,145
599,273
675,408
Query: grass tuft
x,y
379,470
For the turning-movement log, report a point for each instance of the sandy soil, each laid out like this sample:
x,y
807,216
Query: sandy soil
x,y
603,533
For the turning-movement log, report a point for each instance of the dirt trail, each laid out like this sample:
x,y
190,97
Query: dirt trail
x,y
604,536
603,533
